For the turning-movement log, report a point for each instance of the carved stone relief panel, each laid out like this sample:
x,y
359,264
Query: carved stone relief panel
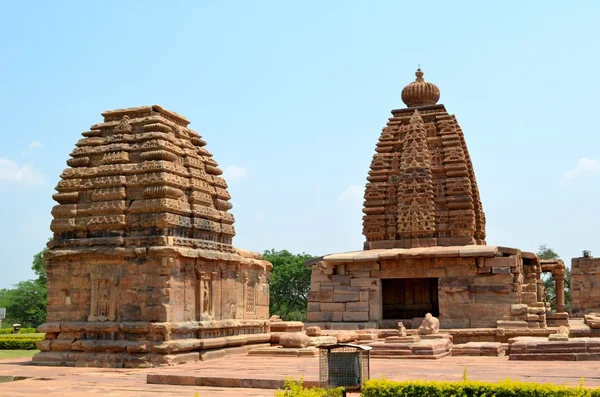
x,y
105,291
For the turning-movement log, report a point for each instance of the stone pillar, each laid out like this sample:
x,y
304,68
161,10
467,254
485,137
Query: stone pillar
x,y
559,276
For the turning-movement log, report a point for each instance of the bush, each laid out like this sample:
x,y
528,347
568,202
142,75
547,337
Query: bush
x,y
19,343
508,388
292,388
5,331
22,336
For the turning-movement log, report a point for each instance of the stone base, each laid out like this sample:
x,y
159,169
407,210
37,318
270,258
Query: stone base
x,y
578,349
489,349
423,349
322,340
592,320
557,319
278,351
287,326
143,344
403,339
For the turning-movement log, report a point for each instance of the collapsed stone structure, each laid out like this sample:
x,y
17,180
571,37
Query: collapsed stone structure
x,y
141,270
585,277
425,249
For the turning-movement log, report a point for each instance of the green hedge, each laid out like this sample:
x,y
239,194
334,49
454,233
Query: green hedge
x,y
4,331
508,388
22,336
19,343
292,388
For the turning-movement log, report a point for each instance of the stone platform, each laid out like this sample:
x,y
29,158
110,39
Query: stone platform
x,y
491,349
541,349
145,344
279,351
413,347
122,382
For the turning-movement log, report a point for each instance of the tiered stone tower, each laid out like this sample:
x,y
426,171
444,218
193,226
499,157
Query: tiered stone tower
x,y
142,270
422,190
425,249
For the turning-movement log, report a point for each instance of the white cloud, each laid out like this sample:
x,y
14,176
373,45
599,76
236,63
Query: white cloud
x,y
354,193
235,173
33,145
21,175
584,166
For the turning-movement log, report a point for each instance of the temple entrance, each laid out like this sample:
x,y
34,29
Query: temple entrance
x,y
406,298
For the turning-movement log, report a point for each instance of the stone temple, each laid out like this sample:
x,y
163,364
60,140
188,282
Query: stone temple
x,y
425,249
141,270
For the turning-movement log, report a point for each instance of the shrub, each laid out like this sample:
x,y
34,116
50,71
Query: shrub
x,y
292,388
19,343
22,336
5,331
508,388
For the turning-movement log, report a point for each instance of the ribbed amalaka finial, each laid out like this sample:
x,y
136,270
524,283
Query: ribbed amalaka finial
x,y
420,92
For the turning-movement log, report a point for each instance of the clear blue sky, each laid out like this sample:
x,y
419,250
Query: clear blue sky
x,y
291,98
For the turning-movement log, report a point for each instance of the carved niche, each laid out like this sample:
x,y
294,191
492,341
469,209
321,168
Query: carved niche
x,y
204,306
105,293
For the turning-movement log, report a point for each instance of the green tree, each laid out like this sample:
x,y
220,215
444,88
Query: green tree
x,y
39,266
289,284
549,283
26,303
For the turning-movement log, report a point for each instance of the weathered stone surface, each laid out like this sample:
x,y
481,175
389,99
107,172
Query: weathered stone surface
x,y
142,258
294,340
313,331
585,276
518,309
429,326
322,340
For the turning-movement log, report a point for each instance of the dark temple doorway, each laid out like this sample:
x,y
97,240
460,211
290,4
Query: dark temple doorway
x,y
406,298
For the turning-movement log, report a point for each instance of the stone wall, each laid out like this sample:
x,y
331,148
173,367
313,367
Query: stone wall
x,y
156,284
585,280
472,291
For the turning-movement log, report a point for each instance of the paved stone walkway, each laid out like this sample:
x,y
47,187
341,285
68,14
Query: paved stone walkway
x,y
60,381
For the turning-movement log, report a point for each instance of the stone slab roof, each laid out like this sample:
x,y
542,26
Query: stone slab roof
x,y
395,253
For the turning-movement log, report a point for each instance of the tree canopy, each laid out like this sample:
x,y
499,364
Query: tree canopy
x,y
26,303
289,284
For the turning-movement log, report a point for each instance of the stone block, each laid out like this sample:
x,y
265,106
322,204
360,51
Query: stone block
x,y
294,340
362,266
357,306
518,309
313,331
506,261
346,297
356,316
364,282
319,316
496,270
314,306
507,324
333,307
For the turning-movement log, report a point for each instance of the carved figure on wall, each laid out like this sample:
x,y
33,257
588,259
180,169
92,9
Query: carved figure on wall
x,y
205,297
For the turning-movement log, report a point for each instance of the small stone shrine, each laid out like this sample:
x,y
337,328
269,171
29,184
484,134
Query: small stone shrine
x,y
425,248
141,270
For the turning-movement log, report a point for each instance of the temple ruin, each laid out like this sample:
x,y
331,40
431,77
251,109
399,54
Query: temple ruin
x,y
141,270
585,277
425,249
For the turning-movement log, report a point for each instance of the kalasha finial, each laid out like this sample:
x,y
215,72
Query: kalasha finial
x,y
420,92
419,73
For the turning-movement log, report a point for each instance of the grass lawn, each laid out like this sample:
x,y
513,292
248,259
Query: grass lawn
x,y
16,353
